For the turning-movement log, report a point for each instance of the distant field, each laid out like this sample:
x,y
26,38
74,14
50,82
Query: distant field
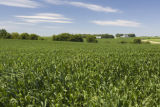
x,y
108,74
155,40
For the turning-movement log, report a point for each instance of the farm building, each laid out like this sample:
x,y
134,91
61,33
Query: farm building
x,y
125,36
98,37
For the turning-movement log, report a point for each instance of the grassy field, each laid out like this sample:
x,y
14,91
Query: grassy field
x,y
107,73
155,40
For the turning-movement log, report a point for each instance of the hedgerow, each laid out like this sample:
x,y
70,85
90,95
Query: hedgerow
x,y
91,39
67,37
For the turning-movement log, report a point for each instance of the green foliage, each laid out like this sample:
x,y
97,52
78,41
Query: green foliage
x,y
67,37
41,38
25,36
123,42
62,37
69,74
8,36
137,41
34,37
76,38
119,35
106,36
15,35
102,35
131,35
91,39
3,33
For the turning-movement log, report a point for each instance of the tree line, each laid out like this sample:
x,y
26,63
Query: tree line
x,y
102,35
68,37
60,37
129,35
75,37
25,36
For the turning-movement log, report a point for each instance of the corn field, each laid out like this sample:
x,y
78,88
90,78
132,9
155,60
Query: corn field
x,y
68,74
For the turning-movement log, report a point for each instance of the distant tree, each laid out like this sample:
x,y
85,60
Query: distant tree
x,y
62,37
119,35
8,36
3,33
24,36
102,35
91,39
106,36
131,35
76,38
137,41
86,35
15,35
40,38
67,37
33,37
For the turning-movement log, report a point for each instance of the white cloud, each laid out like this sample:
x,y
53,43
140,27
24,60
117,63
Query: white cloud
x,y
123,23
92,7
51,27
58,2
46,21
15,23
45,18
20,3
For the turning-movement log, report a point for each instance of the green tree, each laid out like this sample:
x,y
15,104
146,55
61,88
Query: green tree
x,y
119,35
24,36
106,36
76,38
91,39
8,36
62,37
137,41
15,35
40,38
131,35
34,36
68,37
3,33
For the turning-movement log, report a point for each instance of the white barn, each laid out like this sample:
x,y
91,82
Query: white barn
x,y
98,37
125,36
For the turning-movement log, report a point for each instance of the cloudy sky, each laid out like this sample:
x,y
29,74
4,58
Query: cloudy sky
x,y
47,17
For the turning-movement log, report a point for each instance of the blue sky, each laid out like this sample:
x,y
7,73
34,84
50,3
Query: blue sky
x,y
47,17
